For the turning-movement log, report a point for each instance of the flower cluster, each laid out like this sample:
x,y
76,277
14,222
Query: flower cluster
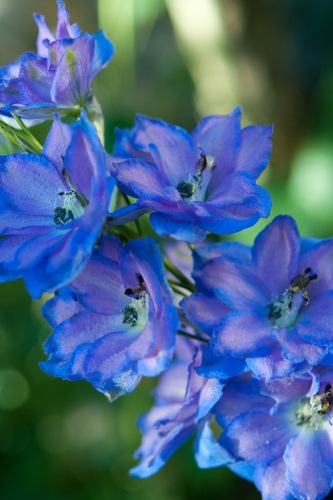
x,y
242,336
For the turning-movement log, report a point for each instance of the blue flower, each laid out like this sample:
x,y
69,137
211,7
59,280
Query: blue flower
x,y
115,322
57,78
280,299
184,403
194,183
52,207
281,434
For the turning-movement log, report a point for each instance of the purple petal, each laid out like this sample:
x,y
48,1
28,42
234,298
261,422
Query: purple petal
x,y
239,287
272,481
309,460
60,308
242,335
142,178
56,144
210,394
295,349
83,328
173,149
220,136
319,257
100,287
172,384
208,453
35,79
316,320
86,151
204,311
275,254
255,149
256,436
8,249
214,366
272,366
181,229
29,184
126,214
44,33
162,350
103,51
63,26
240,395
71,84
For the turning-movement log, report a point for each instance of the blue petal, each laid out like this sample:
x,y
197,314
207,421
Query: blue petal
x,y
208,453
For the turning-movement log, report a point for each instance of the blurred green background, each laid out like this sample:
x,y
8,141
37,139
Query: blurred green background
x,y
177,60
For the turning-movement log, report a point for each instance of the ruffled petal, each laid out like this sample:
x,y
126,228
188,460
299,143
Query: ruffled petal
x,y
174,150
309,460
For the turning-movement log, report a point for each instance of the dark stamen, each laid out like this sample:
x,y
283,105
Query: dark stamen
x,y
186,189
130,315
62,215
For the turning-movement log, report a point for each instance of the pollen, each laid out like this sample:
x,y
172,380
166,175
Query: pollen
x,y
313,412
282,311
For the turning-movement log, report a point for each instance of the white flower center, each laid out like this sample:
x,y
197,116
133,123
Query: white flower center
x,y
283,311
136,313
69,205
194,188
313,412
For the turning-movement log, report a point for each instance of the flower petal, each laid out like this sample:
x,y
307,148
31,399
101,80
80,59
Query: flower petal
x,y
242,335
275,254
309,460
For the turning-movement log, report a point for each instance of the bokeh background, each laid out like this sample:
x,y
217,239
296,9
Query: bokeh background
x,y
177,60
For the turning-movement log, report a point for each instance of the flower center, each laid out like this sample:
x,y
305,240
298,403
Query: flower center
x,y
312,412
71,206
194,187
282,312
136,313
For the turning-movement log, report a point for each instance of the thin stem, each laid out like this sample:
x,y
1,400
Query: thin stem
x,y
123,231
175,286
20,138
185,282
191,336
30,138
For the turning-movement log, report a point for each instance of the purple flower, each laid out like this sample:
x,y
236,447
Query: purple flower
x,y
194,183
114,323
57,78
184,403
281,433
52,207
280,296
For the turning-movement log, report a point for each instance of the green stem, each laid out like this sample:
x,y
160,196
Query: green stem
x,y
186,283
29,137
191,336
20,138
175,286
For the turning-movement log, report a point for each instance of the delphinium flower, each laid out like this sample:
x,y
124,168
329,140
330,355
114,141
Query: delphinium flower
x,y
193,183
59,76
184,404
281,433
115,322
52,207
280,296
